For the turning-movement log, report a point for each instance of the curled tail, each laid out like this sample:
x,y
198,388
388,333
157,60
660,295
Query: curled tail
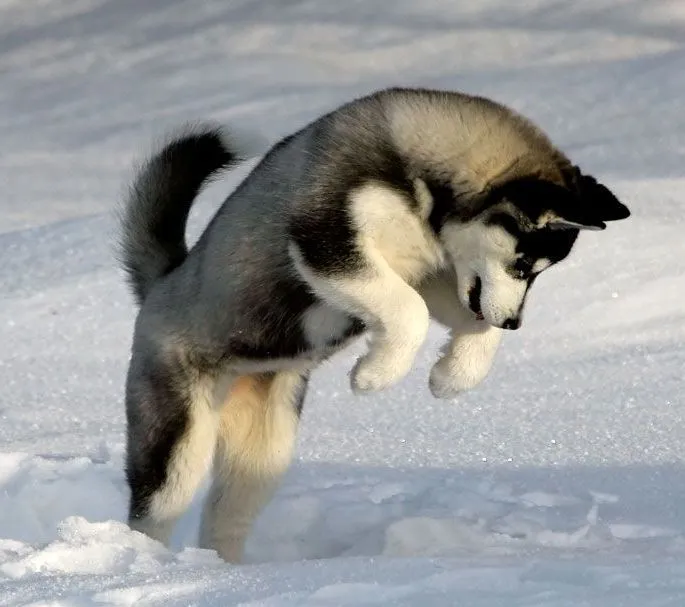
x,y
155,212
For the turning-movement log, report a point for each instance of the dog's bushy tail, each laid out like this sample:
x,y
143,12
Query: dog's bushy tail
x,y
154,215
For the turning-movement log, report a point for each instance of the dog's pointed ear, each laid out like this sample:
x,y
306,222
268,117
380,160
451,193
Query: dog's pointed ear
x,y
599,199
552,206
560,223
568,213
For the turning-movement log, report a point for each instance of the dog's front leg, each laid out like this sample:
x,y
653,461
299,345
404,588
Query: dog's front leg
x,y
468,356
398,320
395,315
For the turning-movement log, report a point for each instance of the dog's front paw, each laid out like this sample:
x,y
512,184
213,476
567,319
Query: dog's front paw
x,y
465,364
374,375
448,379
441,383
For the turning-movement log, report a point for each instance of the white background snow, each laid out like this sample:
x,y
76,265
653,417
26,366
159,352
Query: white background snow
x,y
558,482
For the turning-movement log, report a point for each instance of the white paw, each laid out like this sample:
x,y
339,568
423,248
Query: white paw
x,y
440,383
448,379
373,375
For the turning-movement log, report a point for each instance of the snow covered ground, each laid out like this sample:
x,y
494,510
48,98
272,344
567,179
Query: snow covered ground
x,y
558,482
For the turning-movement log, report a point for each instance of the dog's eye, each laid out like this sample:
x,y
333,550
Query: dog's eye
x,y
523,267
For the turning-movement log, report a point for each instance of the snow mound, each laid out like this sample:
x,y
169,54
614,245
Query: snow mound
x,y
62,533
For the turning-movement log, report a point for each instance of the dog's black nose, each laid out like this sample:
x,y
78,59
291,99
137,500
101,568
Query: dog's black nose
x,y
512,323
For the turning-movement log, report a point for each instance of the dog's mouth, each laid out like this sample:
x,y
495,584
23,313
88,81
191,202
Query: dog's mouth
x,y
474,299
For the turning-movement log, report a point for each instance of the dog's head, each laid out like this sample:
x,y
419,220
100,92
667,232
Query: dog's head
x,y
524,227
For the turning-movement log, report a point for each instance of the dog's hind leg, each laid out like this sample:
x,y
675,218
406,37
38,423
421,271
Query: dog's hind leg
x,y
171,437
257,432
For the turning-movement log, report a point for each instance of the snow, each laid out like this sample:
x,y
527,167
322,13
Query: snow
x,y
558,482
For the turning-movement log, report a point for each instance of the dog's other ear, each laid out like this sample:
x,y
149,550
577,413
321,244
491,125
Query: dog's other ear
x,y
549,205
599,199
568,213
560,223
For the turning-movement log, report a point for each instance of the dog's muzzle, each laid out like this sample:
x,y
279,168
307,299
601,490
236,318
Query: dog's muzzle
x,y
512,323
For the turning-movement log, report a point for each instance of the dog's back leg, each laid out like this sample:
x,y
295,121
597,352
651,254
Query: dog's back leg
x,y
171,438
257,432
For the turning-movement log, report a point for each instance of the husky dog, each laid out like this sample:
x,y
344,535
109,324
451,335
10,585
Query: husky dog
x,y
400,206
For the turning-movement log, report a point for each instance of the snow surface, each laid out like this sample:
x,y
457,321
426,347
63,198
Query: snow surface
x,y
558,482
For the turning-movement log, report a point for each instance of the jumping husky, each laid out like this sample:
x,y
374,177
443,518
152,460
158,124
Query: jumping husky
x,y
400,206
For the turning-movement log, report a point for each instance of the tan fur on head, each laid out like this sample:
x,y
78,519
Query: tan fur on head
x,y
475,145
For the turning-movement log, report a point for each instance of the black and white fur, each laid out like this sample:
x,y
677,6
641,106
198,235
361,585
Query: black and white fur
x,y
394,208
